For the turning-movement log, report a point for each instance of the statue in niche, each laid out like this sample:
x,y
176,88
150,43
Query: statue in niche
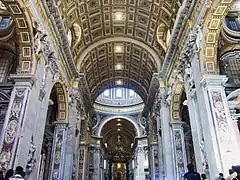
x,y
37,39
31,158
199,38
16,109
5,159
202,147
94,122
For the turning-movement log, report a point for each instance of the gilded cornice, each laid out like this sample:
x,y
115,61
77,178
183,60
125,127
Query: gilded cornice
x,y
176,37
59,30
212,23
119,110
53,37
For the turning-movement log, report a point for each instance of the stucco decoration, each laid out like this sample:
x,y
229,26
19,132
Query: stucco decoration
x,y
19,14
176,101
62,102
223,130
213,22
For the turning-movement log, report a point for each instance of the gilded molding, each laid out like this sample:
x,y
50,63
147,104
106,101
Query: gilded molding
x,y
213,23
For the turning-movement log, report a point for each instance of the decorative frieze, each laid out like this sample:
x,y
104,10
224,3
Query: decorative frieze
x,y
80,166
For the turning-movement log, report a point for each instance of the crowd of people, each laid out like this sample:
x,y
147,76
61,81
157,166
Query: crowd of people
x,y
234,174
10,174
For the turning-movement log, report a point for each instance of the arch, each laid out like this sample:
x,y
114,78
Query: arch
x,y
233,95
214,19
19,14
76,29
118,39
176,102
62,103
161,35
109,118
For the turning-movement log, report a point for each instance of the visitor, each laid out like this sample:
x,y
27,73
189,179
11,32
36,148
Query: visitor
x,y
232,175
9,174
203,176
220,176
19,174
1,175
191,174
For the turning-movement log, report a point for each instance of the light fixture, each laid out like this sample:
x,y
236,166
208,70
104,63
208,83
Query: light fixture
x,y
118,48
119,124
118,120
119,165
118,16
119,66
119,82
118,129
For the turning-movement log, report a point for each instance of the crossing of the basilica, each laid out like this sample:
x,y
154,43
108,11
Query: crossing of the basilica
x,y
119,89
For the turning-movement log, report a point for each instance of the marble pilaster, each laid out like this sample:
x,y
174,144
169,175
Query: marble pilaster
x,y
179,149
167,145
58,152
96,156
159,141
45,168
197,132
237,132
72,143
220,140
141,159
14,122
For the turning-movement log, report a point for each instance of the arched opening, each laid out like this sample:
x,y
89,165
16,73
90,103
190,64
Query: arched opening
x,y
46,152
22,33
9,60
187,131
51,152
229,62
119,138
234,105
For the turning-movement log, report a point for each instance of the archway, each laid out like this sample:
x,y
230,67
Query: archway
x,y
24,33
51,153
9,62
234,106
214,18
181,126
9,58
106,120
119,139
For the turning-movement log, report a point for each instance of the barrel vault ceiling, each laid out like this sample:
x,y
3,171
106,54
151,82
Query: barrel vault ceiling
x,y
118,135
118,42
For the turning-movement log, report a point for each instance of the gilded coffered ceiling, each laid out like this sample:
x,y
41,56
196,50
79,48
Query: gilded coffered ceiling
x,y
118,42
118,64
